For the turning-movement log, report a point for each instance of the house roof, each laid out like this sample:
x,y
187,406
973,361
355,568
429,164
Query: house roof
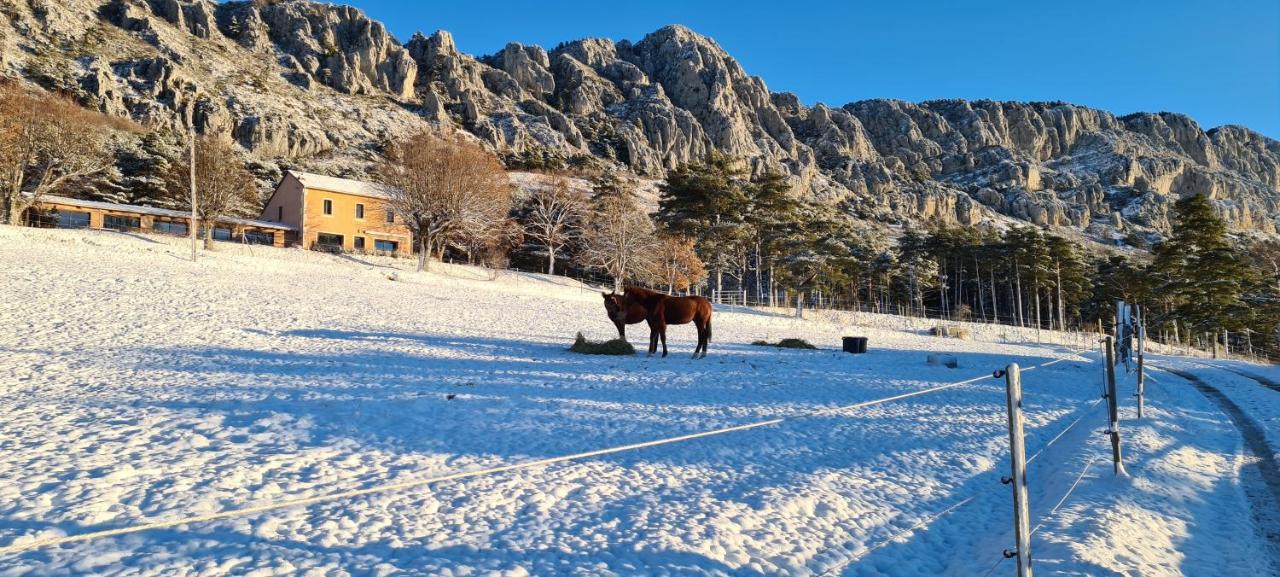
x,y
342,185
153,211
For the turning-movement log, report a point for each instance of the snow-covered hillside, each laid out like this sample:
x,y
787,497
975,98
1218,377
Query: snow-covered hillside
x,y
139,390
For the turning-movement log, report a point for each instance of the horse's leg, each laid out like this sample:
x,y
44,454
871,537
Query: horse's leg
x,y
701,338
622,329
653,338
706,339
663,335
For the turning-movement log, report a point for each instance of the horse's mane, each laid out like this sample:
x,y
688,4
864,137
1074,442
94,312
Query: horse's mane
x,y
640,292
643,296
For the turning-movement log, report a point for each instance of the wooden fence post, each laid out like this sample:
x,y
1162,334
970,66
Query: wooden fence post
x,y
1018,471
1113,405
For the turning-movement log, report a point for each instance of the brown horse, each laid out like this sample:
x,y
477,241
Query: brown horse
x,y
666,310
621,314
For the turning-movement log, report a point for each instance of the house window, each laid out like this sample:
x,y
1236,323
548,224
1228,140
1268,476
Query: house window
x,y
328,242
219,233
280,213
359,240
360,211
391,215
170,227
259,237
121,222
328,207
72,219
385,245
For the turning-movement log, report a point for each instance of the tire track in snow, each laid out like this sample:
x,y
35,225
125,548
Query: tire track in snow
x,y
1266,510
1268,383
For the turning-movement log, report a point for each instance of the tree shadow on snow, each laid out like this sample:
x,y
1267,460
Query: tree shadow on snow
x,y
506,391
519,400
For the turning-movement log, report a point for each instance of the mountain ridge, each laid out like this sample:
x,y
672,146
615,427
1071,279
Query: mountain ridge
x,y
318,86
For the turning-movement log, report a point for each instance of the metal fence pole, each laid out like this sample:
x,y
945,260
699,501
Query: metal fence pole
x,y
1018,471
1142,338
1113,406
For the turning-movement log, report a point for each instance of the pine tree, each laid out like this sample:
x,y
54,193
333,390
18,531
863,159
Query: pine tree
x,y
773,213
1210,278
706,202
819,255
918,269
1072,279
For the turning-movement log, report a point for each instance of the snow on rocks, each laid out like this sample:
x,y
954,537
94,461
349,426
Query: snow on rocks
x,y
138,386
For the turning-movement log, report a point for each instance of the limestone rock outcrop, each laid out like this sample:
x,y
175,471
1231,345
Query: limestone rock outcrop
x,y
321,86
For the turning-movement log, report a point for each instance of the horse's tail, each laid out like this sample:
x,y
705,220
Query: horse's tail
x,y
708,320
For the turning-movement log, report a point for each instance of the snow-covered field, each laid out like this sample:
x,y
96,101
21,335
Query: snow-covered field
x,y
139,390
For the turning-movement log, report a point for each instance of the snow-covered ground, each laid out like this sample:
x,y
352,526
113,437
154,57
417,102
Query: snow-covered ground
x,y
140,389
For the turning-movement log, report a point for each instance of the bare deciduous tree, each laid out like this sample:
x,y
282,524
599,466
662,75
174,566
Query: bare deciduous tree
x,y
489,243
553,217
224,187
442,187
46,142
619,237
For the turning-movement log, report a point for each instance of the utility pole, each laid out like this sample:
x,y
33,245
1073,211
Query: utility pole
x,y
194,227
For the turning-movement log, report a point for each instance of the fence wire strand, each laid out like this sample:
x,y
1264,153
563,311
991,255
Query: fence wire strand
x,y
914,527
937,516
1066,495
994,567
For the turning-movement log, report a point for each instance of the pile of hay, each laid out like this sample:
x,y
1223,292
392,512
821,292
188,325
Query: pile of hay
x,y
950,332
613,347
787,344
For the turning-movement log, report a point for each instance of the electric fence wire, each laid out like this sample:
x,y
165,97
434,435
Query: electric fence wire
x,y
931,519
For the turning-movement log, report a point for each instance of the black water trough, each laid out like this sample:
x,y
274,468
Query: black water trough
x,y
855,345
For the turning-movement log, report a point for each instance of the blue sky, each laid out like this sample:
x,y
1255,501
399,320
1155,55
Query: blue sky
x,y
1216,61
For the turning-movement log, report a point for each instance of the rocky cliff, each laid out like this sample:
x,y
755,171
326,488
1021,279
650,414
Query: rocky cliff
x,y
318,86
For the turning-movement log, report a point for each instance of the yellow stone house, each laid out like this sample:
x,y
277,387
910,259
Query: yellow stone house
x,y
338,214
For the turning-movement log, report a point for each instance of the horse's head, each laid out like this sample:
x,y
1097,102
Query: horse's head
x,y
616,305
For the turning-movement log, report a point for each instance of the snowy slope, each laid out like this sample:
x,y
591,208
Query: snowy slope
x,y
139,387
